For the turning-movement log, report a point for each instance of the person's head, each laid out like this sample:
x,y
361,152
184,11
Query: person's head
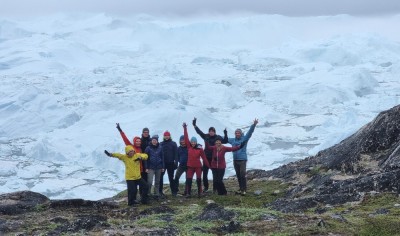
x,y
154,139
218,141
238,133
137,141
211,131
145,132
193,141
129,151
167,135
182,141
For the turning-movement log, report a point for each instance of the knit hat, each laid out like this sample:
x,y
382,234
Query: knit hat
x,y
218,138
154,137
211,129
182,138
145,129
128,149
166,133
193,139
238,130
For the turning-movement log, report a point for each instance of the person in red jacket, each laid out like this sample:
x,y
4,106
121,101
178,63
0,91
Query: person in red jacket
x,y
195,152
218,164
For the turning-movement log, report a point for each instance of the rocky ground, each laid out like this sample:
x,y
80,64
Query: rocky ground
x,y
351,188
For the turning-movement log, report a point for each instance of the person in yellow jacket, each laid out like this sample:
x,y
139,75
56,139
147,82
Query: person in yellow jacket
x,y
132,173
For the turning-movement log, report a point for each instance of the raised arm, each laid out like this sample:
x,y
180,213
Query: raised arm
x,y
185,134
251,130
225,139
126,140
198,131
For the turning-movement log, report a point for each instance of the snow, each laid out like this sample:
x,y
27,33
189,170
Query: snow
x,y
67,79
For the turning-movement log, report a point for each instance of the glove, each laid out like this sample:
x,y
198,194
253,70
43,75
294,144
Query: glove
x,y
139,159
194,121
119,128
107,153
242,144
225,132
184,124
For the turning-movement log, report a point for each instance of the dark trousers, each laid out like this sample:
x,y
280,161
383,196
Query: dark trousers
x,y
181,169
218,181
205,176
132,186
169,168
144,177
240,169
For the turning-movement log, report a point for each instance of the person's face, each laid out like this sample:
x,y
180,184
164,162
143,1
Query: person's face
x,y
145,134
154,141
218,143
238,134
138,142
131,153
167,137
182,142
211,132
193,143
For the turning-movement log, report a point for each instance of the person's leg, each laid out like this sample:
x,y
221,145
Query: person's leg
x,y
161,182
221,173
215,184
198,181
237,172
178,175
189,177
144,177
130,186
171,170
144,186
243,176
157,177
205,177
150,176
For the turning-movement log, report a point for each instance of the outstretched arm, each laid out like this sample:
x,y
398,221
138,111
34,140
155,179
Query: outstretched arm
x,y
251,130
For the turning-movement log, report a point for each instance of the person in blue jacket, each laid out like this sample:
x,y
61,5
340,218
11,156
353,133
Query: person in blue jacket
x,y
182,168
154,164
240,156
170,153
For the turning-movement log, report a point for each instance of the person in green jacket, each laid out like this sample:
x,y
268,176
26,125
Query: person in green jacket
x,y
132,173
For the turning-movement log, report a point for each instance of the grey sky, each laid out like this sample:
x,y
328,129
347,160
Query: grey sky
x,y
194,7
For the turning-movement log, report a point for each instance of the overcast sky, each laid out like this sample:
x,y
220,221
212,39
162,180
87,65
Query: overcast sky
x,y
195,7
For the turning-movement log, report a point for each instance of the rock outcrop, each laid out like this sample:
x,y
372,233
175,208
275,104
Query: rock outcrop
x,y
367,161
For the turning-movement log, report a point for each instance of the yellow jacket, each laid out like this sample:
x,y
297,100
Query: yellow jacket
x,y
132,164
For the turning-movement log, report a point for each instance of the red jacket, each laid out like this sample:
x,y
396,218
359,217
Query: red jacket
x,y
137,149
194,153
218,156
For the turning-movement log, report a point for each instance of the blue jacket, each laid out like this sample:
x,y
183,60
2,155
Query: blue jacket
x,y
182,155
241,154
170,151
155,160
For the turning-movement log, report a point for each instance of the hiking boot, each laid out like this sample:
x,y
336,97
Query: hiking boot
x,y
205,190
243,193
238,192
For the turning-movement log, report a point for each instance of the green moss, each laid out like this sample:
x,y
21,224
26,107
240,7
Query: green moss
x,y
381,225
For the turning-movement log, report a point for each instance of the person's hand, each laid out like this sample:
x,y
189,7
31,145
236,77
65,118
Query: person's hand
x,y
194,121
225,132
255,121
162,170
147,170
184,124
107,153
119,128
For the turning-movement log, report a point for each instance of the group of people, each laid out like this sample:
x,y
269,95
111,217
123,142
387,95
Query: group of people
x,y
146,160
